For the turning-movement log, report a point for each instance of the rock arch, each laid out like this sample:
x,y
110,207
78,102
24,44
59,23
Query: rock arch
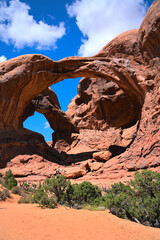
x,y
47,104
24,77
127,60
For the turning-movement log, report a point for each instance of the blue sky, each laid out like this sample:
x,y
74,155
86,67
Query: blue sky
x,y
62,28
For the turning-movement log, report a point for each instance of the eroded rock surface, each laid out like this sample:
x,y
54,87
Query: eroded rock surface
x,y
100,104
47,104
116,110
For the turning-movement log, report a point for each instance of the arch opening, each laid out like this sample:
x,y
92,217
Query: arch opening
x,y
38,123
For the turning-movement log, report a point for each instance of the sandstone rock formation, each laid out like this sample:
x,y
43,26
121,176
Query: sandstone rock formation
x,y
100,104
116,109
47,104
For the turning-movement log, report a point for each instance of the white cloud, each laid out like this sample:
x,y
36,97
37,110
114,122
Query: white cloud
x,y
102,20
3,58
20,29
46,125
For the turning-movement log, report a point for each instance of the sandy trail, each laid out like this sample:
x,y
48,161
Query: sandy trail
x,y
29,222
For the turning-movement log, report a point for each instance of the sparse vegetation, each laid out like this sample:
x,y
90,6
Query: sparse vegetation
x,y
17,190
26,198
59,190
6,193
28,187
138,200
2,196
9,180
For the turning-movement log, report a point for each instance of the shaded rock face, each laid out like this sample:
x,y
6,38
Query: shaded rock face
x,y
101,104
149,33
116,110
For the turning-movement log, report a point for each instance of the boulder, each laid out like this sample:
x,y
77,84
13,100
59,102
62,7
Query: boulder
x,y
94,166
74,172
102,156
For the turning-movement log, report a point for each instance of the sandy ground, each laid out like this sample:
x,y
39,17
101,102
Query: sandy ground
x,y
29,222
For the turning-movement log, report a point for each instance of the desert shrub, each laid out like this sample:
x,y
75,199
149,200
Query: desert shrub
x,y
85,192
24,189
147,190
6,193
32,195
26,198
2,196
99,202
39,194
2,181
45,201
41,197
59,187
146,183
66,193
28,187
138,201
9,180
17,190
11,183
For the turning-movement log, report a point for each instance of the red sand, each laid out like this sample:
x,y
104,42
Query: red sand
x,y
29,222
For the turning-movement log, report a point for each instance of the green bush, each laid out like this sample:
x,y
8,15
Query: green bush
x,y
85,192
28,187
138,201
45,201
11,183
40,196
146,183
2,181
9,180
59,187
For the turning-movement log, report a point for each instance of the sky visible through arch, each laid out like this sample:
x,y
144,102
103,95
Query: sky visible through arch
x,y
62,28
